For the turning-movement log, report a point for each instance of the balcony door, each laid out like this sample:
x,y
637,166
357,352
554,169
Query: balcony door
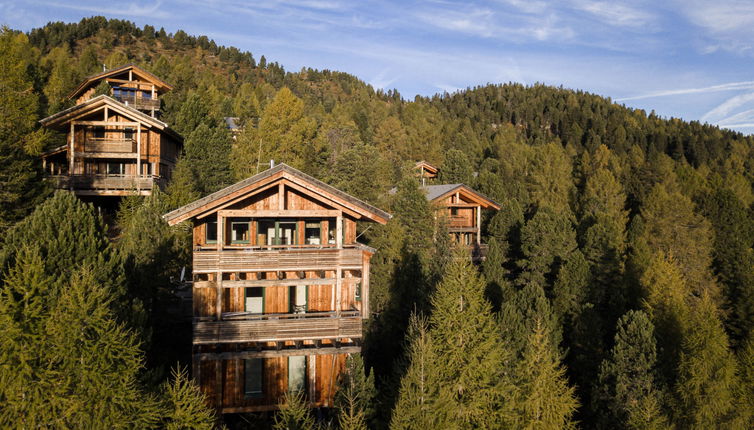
x,y
296,373
297,296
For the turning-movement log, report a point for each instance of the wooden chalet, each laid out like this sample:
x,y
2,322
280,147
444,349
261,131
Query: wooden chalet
x,y
112,148
463,207
129,84
427,172
280,288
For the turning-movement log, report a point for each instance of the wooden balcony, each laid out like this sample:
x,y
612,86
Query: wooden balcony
x,y
106,184
121,147
139,102
288,258
243,327
459,222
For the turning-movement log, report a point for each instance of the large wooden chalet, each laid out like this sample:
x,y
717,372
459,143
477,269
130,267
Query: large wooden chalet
x,y
280,288
115,144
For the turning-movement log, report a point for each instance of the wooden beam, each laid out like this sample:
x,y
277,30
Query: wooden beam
x,y
331,201
107,113
219,274
280,213
281,197
72,154
478,224
269,353
274,282
138,151
107,123
236,200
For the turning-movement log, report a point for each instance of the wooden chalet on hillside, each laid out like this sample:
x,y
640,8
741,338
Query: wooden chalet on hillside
x,y
463,207
115,144
427,172
280,289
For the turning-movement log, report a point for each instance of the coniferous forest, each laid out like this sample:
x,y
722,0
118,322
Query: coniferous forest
x,y
618,291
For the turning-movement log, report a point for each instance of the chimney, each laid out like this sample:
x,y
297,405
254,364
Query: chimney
x,y
104,67
272,164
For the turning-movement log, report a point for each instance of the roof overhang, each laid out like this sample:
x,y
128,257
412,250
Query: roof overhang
x,y
468,193
59,120
281,173
138,71
426,167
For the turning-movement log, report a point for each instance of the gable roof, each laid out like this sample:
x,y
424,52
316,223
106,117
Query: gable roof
x,y
58,120
159,83
247,186
429,168
438,192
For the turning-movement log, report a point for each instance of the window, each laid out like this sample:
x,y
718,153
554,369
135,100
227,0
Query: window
x,y
296,373
253,376
312,233
210,231
453,211
287,232
239,232
147,95
272,232
116,169
254,301
99,132
331,231
297,299
128,133
357,291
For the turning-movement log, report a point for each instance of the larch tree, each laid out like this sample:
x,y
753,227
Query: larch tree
x,y
355,395
184,406
294,414
456,169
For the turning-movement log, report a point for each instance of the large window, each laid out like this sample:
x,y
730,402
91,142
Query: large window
x,y
297,299
254,300
297,373
239,231
313,232
116,168
128,133
274,232
253,377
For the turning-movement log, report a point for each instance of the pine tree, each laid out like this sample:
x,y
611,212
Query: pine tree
x,y
207,151
547,240
295,414
626,393
456,169
184,405
355,395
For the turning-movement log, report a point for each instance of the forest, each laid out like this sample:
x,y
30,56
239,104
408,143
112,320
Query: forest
x,y
618,291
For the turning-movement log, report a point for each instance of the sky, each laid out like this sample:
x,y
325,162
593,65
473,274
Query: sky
x,y
689,59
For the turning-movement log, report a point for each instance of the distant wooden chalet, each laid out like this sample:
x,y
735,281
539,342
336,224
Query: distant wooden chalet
x,y
280,288
427,172
114,146
463,207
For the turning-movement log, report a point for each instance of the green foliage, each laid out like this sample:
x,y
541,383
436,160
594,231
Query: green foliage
x,y
547,240
355,395
626,392
294,414
102,89
184,405
456,169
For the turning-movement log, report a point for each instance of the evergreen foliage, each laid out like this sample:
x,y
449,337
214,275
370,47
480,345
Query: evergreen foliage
x,y
294,414
355,395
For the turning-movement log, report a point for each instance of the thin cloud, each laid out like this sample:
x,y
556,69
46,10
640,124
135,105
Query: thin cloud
x,y
733,86
724,109
615,14
127,9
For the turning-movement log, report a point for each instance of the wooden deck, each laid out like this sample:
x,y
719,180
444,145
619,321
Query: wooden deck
x,y
278,328
139,102
289,259
104,184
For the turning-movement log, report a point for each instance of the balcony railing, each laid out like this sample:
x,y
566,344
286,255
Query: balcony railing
x,y
459,221
139,102
96,144
292,258
106,182
279,327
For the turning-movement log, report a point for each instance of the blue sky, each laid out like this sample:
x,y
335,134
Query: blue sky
x,y
691,59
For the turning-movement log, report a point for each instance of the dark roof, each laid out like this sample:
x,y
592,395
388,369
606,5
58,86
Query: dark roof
x,y
267,173
47,122
101,75
436,191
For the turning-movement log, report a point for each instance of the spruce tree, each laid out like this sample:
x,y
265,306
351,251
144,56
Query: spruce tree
x,y
295,414
463,330
456,169
547,240
626,393
183,404
355,395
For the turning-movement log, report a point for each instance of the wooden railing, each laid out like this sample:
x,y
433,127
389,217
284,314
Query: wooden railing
x,y
106,182
459,221
94,144
279,327
139,102
288,259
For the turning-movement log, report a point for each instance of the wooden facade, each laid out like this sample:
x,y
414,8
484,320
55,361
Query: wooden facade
x,y
462,207
280,288
112,148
